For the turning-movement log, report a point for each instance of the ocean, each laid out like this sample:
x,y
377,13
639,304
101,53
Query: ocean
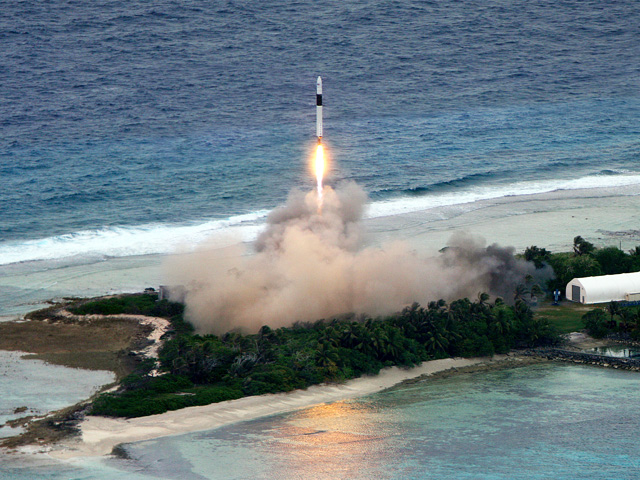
x,y
131,129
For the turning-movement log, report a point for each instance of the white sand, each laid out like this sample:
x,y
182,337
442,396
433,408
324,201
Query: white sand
x,y
603,216
101,434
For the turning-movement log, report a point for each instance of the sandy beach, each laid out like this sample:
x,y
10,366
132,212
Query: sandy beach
x,y
551,220
99,435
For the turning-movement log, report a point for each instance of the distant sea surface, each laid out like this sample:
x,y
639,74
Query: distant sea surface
x,y
128,128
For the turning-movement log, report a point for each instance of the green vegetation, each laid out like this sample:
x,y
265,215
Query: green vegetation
x,y
566,318
613,319
137,304
198,370
584,261
204,369
159,394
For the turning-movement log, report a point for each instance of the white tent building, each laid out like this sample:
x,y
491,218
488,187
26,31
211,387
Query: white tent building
x,y
605,288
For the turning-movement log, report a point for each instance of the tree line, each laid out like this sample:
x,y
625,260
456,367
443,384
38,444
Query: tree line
x,y
585,260
201,369
616,319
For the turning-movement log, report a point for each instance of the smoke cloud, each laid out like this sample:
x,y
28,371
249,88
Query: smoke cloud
x,y
309,266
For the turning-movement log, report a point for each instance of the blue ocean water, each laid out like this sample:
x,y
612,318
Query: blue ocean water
x,y
129,127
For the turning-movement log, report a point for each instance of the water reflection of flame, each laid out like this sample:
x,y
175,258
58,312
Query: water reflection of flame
x,y
337,440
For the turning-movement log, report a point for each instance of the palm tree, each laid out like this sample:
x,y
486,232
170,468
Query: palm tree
x,y
581,246
627,315
379,341
522,311
501,322
483,298
436,342
520,292
327,357
179,366
394,347
330,336
440,304
614,309
525,293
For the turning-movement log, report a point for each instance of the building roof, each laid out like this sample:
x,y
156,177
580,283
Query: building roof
x,y
606,288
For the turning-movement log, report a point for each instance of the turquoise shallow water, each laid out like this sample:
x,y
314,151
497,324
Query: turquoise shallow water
x,y
536,422
543,421
39,387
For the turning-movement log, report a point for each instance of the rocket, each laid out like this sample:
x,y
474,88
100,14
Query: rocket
x,y
319,110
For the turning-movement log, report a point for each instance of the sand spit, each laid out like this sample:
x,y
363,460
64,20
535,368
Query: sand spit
x,y
99,435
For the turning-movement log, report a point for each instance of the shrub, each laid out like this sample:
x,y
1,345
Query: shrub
x,y
138,304
595,322
612,260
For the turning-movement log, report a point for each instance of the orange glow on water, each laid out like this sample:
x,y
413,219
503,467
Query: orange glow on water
x,y
333,440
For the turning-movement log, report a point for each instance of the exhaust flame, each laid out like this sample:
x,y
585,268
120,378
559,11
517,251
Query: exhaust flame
x,y
319,169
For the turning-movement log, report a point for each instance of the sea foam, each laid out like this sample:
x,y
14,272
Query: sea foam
x,y
168,238
411,204
130,241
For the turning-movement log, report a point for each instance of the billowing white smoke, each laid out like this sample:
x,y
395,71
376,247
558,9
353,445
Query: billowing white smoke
x,y
309,266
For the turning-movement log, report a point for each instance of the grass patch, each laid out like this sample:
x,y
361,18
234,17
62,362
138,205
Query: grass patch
x,y
119,363
102,344
566,317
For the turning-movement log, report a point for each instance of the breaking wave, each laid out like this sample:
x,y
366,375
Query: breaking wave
x,y
167,238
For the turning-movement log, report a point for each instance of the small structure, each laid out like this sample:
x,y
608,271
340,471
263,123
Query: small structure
x,y
605,288
176,293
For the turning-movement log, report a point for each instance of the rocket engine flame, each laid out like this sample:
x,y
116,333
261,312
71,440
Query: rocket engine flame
x,y
319,169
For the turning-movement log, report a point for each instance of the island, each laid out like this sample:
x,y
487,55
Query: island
x,y
162,365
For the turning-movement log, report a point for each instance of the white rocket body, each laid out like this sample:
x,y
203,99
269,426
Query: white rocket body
x,y
319,109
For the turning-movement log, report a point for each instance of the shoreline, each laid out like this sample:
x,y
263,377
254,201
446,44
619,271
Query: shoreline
x,y
100,435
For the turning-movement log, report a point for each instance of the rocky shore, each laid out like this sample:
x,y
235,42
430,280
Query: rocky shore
x,y
562,355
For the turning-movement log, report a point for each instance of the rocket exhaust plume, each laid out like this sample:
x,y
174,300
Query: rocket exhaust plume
x,y
310,263
319,170
308,266
319,160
